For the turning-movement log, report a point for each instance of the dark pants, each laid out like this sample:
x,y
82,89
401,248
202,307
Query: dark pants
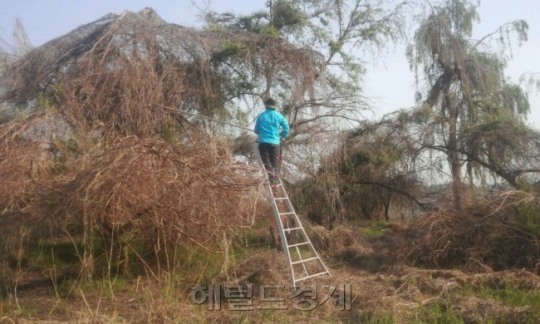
x,y
271,158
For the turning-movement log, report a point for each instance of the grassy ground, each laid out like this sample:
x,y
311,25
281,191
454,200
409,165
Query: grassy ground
x,y
368,285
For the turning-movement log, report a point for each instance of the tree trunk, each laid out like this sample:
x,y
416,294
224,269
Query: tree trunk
x,y
453,154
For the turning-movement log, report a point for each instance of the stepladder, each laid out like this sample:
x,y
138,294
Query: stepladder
x,y
303,260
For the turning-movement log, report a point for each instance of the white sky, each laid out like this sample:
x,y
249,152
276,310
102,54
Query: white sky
x,y
388,82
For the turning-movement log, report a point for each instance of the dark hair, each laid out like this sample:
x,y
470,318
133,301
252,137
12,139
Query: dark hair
x,y
269,102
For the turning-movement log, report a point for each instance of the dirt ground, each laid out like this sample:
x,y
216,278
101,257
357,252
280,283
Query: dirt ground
x,y
369,283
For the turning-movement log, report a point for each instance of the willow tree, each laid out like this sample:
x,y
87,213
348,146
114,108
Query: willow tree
x,y
466,90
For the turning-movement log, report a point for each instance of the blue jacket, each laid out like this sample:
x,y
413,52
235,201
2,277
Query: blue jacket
x,y
271,126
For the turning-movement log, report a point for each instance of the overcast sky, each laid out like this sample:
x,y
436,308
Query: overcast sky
x,y
388,82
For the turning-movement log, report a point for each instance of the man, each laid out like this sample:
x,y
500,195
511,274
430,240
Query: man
x,y
271,127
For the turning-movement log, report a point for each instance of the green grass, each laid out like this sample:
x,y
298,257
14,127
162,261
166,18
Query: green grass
x,y
529,219
363,316
198,264
374,228
102,286
249,238
510,296
48,255
436,313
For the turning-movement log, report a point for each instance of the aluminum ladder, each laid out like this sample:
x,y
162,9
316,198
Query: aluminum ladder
x,y
303,260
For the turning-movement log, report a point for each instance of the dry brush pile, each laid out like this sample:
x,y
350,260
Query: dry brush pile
x,y
490,235
140,191
102,154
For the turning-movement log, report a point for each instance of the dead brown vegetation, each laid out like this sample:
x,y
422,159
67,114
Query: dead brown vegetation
x,y
104,154
128,67
487,236
138,190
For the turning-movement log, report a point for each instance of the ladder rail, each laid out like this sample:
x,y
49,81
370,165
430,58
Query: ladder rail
x,y
302,229
277,217
298,227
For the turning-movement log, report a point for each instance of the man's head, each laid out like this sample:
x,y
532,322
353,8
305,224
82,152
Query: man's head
x,y
270,102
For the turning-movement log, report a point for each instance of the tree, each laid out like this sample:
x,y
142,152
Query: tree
x,y
336,32
373,173
21,45
467,90
336,35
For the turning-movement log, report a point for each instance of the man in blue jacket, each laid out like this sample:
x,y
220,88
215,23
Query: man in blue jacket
x,y
271,127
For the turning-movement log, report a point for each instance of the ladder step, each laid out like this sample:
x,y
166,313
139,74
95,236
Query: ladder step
x,y
305,260
281,201
298,244
311,276
292,229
